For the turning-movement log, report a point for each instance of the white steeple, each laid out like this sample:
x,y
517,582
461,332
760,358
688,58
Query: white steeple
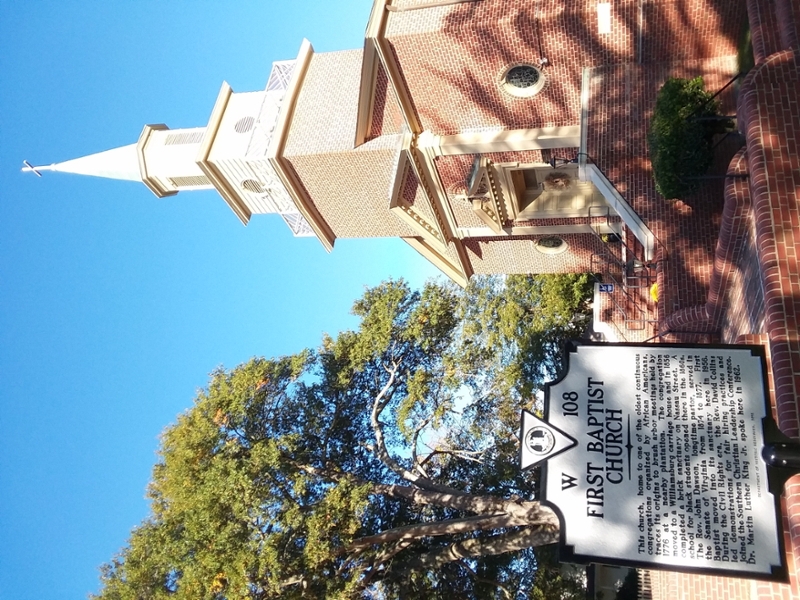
x,y
229,154
117,163
163,159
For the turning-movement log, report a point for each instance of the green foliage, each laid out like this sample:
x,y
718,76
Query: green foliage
x,y
630,587
267,486
681,147
521,325
233,517
552,582
744,50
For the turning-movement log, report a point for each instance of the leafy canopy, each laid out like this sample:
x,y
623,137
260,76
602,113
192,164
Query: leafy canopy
x,y
383,464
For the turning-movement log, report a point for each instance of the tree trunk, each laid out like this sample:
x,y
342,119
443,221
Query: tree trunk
x,y
474,547
492,513
437,528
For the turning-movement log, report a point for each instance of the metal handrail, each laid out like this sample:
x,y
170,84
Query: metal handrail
x,y
623,263
590,159
634,302
644,279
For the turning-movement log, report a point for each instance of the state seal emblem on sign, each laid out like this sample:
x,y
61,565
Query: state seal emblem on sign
x,y
540,440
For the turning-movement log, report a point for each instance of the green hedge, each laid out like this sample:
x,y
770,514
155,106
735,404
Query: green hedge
x,y
680,147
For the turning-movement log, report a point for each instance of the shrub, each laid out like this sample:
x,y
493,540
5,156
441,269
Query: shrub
x,y
679,146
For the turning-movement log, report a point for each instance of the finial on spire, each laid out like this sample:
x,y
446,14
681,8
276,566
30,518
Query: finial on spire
x,y
117,163
30,168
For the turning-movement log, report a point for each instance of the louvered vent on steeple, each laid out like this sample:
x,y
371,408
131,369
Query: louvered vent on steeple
x,y
184,137
191,181
244,124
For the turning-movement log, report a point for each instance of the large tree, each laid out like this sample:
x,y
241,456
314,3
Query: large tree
x,y
383,464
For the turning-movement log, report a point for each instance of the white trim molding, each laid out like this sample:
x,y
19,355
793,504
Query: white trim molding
x,y
283,167
507,140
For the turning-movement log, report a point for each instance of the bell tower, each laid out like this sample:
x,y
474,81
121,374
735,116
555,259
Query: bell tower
x,y
229,154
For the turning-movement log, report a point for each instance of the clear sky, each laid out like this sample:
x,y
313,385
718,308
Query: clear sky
x,y
114,304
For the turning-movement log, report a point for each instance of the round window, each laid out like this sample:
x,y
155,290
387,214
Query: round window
x,y
550,245
522,80
251,185
244,124
522,76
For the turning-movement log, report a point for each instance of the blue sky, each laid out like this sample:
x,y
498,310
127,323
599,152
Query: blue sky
x,y
115,305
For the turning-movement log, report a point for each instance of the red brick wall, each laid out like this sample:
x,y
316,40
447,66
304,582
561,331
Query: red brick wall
x,y
670,586
768,106
387,117
690,29
742,293
453,57
764,29
621,100
518,254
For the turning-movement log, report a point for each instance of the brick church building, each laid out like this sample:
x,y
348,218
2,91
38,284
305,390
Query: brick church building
x,y
501,136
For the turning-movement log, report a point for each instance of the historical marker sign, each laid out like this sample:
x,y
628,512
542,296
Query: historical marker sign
x,y
654,459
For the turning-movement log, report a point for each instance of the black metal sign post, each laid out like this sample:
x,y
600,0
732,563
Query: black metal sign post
x,y
664,457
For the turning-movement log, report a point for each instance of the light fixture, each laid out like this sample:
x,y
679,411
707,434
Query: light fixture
x,y
560,162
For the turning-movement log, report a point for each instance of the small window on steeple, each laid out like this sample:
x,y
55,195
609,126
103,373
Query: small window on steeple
x,y
190,181
178,138
251,185
244,124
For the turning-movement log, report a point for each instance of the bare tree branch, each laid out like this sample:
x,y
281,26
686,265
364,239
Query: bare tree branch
x,y
538,535
379,403
414,441
465,454
528,511
437,528
378,562
388,553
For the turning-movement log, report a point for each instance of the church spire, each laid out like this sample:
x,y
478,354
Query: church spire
x,y
230,154
162,159
117,163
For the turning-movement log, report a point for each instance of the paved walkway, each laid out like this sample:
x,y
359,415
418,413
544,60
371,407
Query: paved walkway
x,y
754,290
770,108
729,270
